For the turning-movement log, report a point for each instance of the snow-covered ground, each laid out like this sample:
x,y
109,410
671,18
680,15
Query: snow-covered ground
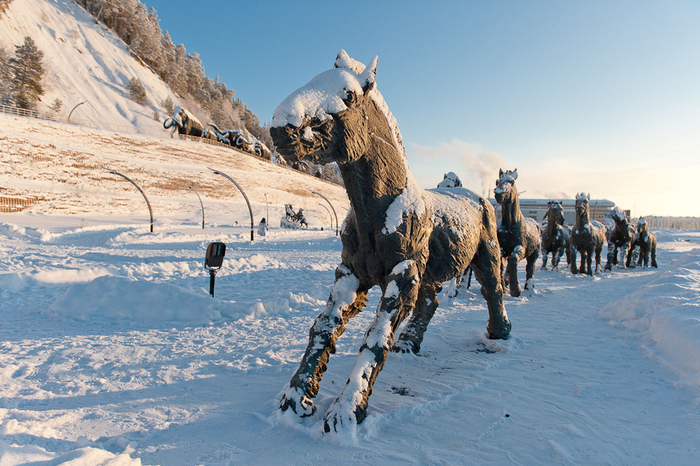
x,y
112,351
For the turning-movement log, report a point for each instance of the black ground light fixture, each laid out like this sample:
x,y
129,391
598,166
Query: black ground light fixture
x,y
213,262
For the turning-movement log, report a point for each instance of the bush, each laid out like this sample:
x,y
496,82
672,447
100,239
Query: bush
x,y
137,92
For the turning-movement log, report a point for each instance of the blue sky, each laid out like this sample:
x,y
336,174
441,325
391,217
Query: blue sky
x,y
594,96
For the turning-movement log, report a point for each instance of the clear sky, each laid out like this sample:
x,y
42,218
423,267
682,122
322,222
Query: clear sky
x,y
593,96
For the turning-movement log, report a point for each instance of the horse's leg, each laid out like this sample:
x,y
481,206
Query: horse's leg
x,y
589,262
512,273
400,295
544,259
612,249
556,257
486,266
572,263
344,302
530,271
653,255
412,335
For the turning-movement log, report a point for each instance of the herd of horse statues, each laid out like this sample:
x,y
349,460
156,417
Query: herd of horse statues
x,y
408,240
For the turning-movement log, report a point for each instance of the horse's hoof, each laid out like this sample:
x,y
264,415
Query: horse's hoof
x,y
501,333
336,420
300,404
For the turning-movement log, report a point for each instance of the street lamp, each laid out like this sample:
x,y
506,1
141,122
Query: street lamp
x,y
329,203
150,212
250,210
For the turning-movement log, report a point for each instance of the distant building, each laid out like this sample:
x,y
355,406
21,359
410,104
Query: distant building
x,y
536,208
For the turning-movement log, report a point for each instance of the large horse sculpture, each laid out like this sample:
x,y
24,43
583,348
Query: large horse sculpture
x,y
184,123
396,235
518,236
556,237
646,241
587,238
620,239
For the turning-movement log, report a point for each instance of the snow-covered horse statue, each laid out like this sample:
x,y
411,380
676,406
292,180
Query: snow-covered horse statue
x,y
587,238
184,123
396,235
646,241
620,239
556,237
518,235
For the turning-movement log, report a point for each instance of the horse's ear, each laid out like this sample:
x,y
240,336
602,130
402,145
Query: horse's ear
x,y
369,75
588,196
500,173
514,174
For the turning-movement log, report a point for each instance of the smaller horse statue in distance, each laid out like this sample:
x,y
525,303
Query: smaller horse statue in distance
x,y
518,236
646,241
587,238
620,239
556,237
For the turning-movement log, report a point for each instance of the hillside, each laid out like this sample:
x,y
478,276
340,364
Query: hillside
x,y
85,62
57,168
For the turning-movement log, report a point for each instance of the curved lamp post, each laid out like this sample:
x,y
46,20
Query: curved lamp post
x,y
200,203
329,214
150,212
333,208
71,112
250,210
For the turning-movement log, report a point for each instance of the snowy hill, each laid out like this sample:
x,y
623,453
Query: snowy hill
x,y
84,62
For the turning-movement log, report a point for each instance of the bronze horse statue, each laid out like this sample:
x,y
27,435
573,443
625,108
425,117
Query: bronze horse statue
x,y
646,241
519,236
620,239
397,236
587,238
556,237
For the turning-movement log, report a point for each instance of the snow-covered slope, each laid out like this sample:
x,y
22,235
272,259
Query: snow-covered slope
x,y
84,62
61,169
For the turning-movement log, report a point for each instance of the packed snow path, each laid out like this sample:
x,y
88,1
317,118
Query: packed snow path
x,y
112,350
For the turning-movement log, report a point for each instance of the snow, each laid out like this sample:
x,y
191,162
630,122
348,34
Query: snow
x,y
112,351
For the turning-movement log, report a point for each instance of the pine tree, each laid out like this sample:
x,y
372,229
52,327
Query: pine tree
x,y
27,71
5,78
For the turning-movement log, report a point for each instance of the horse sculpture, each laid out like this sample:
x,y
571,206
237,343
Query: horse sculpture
x,y
587,238
518,236
396,235
646,241
620,239
556,237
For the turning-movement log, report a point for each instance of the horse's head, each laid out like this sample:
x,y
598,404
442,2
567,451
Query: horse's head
x,y
582,203
619,215
330,119
642,227
555,212
505,186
